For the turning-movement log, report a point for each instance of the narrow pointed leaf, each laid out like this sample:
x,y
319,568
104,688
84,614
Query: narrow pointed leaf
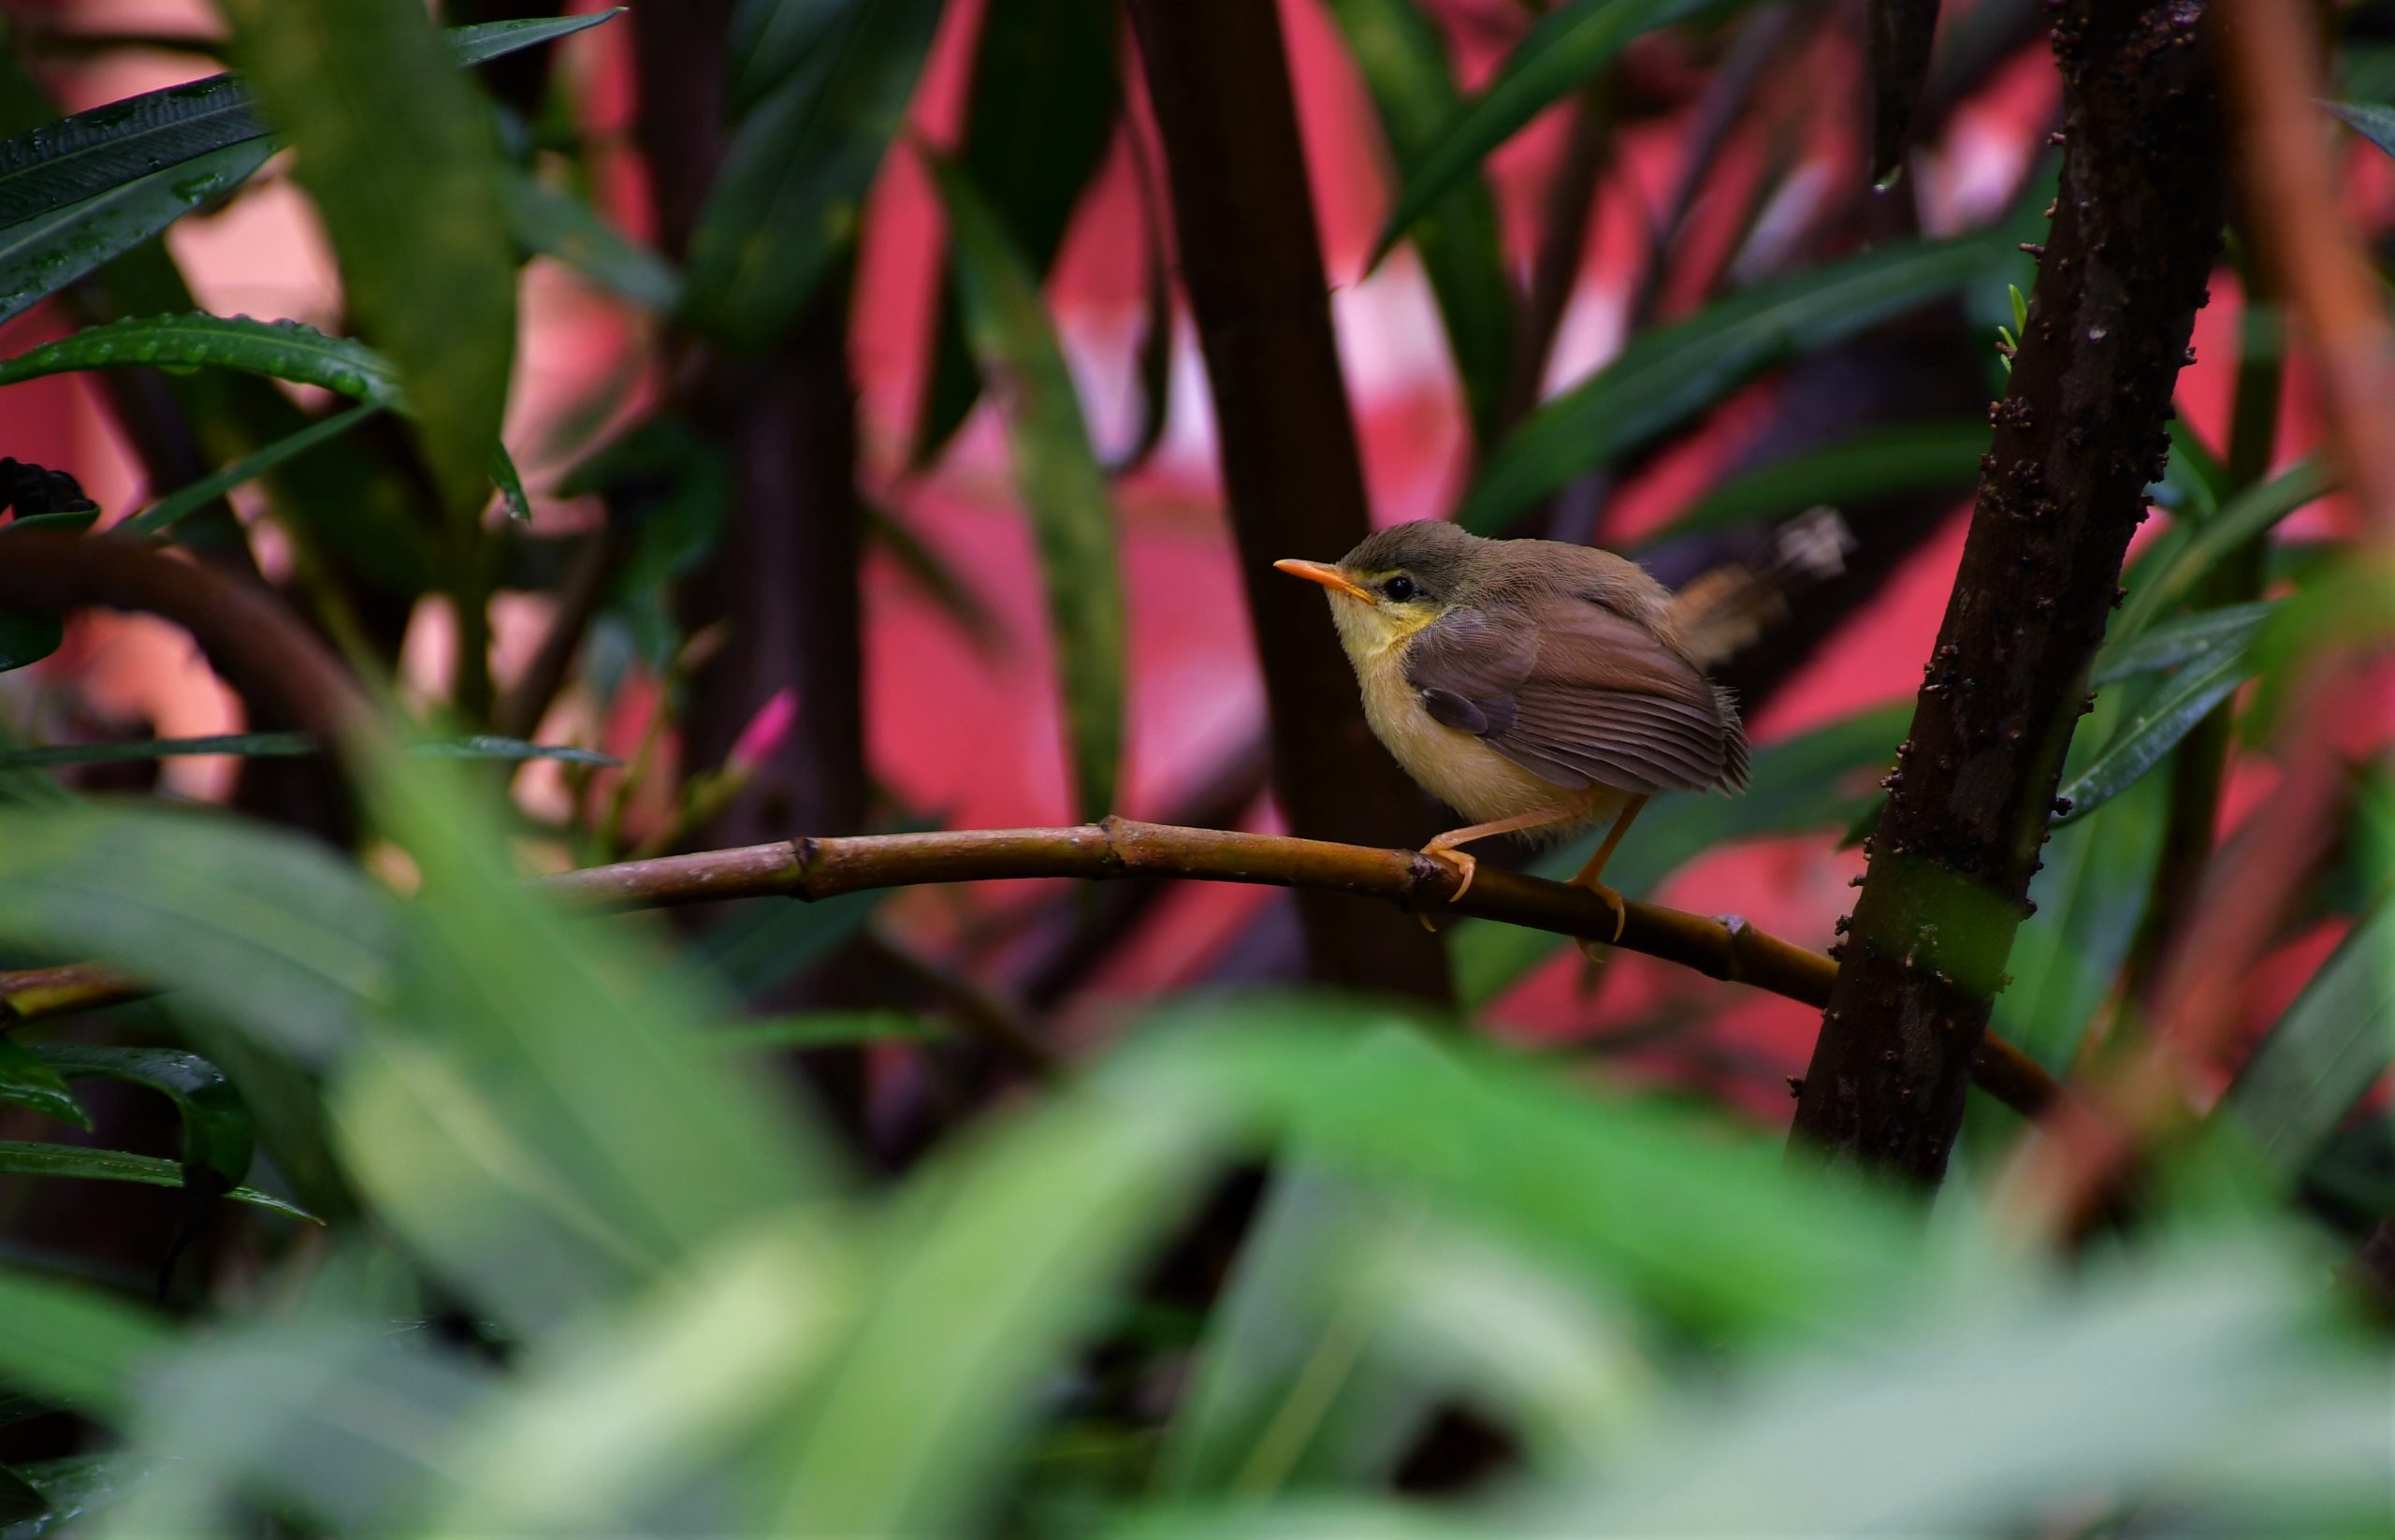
x,y
45,252
1402,56
217,1133
2156,729
1668,376
283,745
1570,44
2332,1044
2371,122
821,90
286,350
2200,638
94,152
553,221
1916,457
20,1158
1063,487
2251,514
1038,121
397,149
29,1081
180,504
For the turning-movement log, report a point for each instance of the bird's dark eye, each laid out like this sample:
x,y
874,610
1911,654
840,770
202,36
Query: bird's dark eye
x,y
1399,589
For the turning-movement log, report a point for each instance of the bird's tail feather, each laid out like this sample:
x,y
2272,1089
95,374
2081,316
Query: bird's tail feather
x,y
1723,611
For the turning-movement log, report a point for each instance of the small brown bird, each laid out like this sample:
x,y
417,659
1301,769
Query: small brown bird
x,y
1538,688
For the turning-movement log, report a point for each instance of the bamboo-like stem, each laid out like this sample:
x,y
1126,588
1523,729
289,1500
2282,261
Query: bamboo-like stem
x,y
814,868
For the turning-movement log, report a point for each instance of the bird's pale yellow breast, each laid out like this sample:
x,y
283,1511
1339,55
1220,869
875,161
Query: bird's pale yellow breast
x,y
1455,767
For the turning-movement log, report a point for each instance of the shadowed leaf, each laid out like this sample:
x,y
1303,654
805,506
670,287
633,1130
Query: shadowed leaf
x,y
821,86
396,147
29,1081
18,1158
1915,458
1667,376
1037,123
1063,487
216,1125
2335,1042
1404,59
1569,44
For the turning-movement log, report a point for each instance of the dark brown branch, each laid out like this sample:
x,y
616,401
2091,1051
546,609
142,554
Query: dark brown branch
x,y
1251,260
811,869
2136,229
253,641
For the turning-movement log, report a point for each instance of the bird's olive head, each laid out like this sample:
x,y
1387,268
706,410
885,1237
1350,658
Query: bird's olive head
x,y
1397,581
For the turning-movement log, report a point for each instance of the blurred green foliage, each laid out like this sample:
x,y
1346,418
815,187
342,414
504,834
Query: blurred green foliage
x,y
1270,1263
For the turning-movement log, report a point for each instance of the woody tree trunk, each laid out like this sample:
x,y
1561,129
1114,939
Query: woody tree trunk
x,y
1250,259
2077,438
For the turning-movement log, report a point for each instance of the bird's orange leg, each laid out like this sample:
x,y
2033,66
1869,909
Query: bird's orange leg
x,y
1590,874
1443,849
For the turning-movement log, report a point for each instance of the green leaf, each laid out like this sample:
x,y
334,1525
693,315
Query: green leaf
x,y
1066,1197
2155,729
1568,46
1037,121
1063,487
2204,637
2371,122
821,90
216,1124
159,133
2091,896
1664,377
21,1502
20,1158
285,746
27,1080
41,255
1618,1196
2248,515
259,929
27,638
74,1346
1403,57
397,149
554,223
1913,458
2332,1044
285,350
1844,1441
180,504
830,1029
73,1488
1284,1362
1802,784
539,1113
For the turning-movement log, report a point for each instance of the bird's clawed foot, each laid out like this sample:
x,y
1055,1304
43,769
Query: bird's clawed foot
x,y
1593,949
1465,866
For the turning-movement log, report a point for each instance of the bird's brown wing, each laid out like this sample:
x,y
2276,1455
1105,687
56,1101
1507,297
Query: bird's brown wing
x,y
1575,692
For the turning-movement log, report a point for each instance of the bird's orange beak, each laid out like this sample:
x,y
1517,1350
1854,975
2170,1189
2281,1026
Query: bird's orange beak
x,y
1329,576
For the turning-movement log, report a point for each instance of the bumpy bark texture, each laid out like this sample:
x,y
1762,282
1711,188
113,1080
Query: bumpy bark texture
x,y
2078,437
1250,259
